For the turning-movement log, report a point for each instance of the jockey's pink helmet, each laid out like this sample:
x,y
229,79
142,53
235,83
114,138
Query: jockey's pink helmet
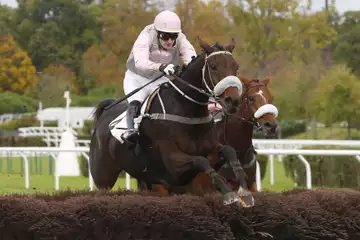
x,y
167,21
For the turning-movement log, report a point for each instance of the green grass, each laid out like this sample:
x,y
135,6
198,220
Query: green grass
x,y
41,181
281,182
15,182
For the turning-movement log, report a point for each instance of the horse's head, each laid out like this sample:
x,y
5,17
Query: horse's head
x,y
258,98
219,74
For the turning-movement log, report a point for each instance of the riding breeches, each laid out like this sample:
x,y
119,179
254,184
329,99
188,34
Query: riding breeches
x,y
133,81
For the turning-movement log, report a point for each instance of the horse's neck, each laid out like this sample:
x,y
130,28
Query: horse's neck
x,y
193,76
174,100
238,126
244,111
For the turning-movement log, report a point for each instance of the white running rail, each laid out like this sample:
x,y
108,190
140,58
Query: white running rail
x,y
26,151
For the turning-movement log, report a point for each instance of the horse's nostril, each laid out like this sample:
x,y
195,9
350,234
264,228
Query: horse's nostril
x,y
267,124
231,100
227,100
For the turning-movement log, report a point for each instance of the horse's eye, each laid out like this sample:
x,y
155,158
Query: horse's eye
x,y
252,98
213,66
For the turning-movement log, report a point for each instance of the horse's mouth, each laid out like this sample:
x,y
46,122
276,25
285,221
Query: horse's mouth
x,y
269,128
230,108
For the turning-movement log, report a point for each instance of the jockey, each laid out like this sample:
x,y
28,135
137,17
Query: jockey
x,y
156,51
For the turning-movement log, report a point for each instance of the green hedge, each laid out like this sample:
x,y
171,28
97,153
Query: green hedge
x,y
327,171
286,129
290,128
15,103
16,141
27,121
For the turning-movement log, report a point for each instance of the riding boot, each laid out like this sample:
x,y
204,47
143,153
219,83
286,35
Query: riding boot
x,y
131,135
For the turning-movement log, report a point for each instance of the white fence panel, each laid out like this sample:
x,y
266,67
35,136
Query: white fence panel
x,y
24,152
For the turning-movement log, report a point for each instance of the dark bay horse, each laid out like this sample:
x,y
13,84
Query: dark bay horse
x,y
178,138
256,110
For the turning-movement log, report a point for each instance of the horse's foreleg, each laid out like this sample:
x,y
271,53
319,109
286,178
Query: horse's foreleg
x,y
159,188
203,165
251,173
230,156
253,187
179,164
223,154
201,185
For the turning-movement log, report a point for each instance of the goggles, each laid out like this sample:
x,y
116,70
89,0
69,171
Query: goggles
x,y
166,36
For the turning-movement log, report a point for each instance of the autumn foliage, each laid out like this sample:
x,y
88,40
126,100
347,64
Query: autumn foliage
x,y
16,70
286,39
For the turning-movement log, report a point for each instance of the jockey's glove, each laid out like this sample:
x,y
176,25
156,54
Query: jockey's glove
x,y
168,69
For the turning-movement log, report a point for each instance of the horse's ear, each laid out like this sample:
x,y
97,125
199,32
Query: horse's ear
x,y
245,80
267,80
230,47
206,47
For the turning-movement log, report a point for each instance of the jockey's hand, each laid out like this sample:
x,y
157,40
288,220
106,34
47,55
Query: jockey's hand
x,y
168,69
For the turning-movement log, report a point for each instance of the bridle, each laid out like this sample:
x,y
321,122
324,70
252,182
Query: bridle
x,y
245,99
209,93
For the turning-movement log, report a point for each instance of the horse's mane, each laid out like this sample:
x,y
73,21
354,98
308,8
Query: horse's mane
x,y
217,46
184,67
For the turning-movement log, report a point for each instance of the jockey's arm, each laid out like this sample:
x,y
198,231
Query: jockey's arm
x,y
187,50
141,52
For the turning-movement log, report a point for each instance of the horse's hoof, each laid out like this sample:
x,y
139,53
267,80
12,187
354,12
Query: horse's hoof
x,y
231,198
246,198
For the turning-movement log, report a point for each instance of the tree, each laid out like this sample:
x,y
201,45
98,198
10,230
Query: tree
x,y
17,74
54,80
196,15
102,67
275,29
122,22
104,64
57,32
347,47
5,19
337,98
46,44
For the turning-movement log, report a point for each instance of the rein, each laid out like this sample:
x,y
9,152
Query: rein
x,y
210,92
252,120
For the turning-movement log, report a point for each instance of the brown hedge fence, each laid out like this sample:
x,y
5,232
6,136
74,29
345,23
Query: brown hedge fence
x,y
296,214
